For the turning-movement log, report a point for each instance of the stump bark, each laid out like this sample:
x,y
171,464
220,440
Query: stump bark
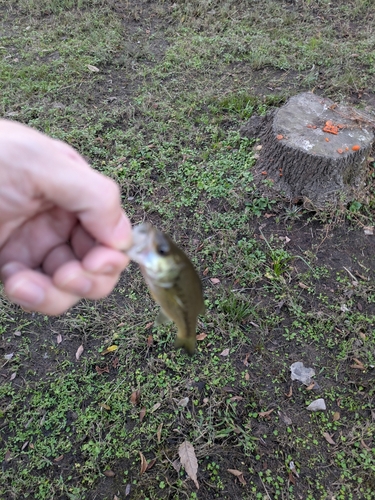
x,y
314,150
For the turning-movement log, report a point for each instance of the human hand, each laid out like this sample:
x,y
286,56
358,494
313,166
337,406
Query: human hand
x,y
62,229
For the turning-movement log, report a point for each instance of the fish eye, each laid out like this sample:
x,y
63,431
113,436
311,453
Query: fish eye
x,y
163,249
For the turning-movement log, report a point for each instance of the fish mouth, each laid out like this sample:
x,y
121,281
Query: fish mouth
x,y
142,242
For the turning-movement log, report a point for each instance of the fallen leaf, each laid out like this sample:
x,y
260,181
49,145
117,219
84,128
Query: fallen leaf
x,y
238,474
109,473
13,376
245,361
109,349
17,333
79,352
150,340
9,356
362,335
358,364
58,459
290,393
151,464
310,387
127,490
336,416
142,414
236,398
205,272
201,336
92,68
158,433
266,414
247,376
7,456
24,445
189,461
183,402
225,352
302,285
292,479
149,325
369,230
214,281
100,371
115,362
105,406
155,407
59,338
176,464
135,397
328,438
285,418
144,464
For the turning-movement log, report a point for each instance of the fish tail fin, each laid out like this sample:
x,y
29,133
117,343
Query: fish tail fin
x,y
188,343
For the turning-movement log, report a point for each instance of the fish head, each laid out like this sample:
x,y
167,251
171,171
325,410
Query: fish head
x,y
155,252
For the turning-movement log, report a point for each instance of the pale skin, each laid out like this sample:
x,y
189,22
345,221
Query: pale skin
x,y
63,232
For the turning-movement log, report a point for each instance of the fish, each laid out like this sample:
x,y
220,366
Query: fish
x,y
172,280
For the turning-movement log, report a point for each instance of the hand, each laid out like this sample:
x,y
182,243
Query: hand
x,y
62,229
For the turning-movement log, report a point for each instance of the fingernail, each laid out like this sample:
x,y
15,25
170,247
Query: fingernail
x,y
122,234
26,294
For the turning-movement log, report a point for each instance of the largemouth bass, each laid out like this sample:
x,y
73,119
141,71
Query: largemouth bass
x,y
172,280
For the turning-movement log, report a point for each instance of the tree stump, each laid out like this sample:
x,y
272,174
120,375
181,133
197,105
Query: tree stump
x,y
314,151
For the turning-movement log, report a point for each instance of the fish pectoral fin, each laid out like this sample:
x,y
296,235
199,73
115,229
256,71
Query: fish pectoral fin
x,y
161,318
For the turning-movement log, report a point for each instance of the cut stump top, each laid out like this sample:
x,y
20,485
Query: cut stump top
x,y
303,119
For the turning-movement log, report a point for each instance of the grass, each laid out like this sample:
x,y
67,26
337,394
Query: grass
x,y
176,81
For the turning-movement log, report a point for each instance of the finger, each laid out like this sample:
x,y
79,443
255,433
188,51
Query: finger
x,y
94,198
95,276
57,257
82,242
35,291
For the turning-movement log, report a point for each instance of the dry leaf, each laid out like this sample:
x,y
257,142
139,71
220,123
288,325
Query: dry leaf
x,y
13,376
292,479
7,456
158,433
92,68
183,402
59,338
201,336
238,474
109,349
336,416
24,445
135,397
149,325
236,398
150,340
310,387
214,281
144,464
369,230
106,407
285,418
245,361
328,438
142,414
302,285
205,272
79,352
100,371
176,464
59,458
115,362
109,473
266,414
127,490
189,461
155,407
290,393
358,364
362,335
225,352
247,376
151,464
